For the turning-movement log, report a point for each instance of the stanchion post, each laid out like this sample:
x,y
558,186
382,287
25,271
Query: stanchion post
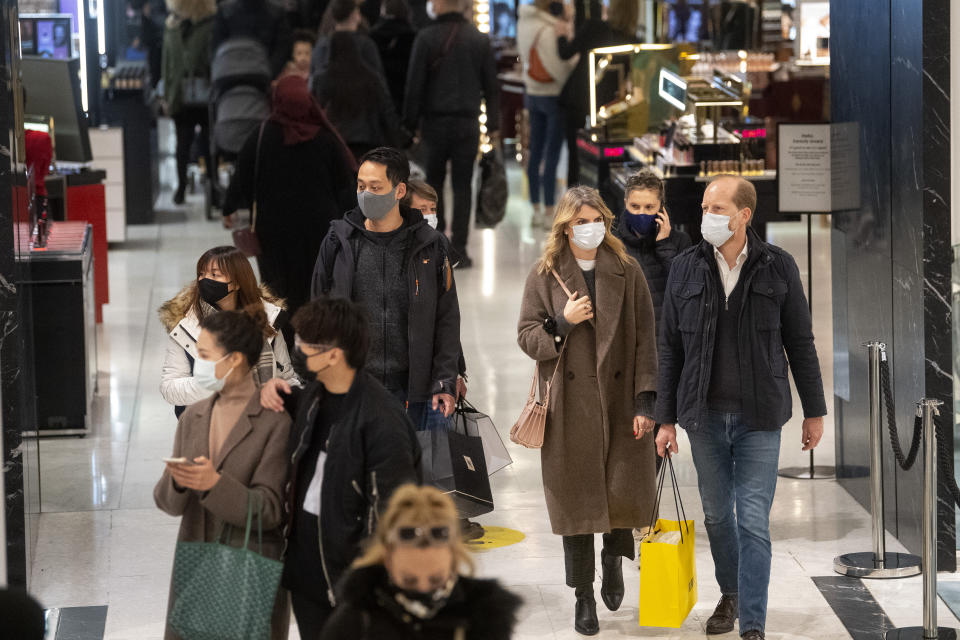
x,y
929,630
876,350
877,563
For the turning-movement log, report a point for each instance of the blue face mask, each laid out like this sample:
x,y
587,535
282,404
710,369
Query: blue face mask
x,y
640,223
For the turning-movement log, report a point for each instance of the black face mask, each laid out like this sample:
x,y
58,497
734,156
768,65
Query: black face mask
x,y
213,291
299,361
556,9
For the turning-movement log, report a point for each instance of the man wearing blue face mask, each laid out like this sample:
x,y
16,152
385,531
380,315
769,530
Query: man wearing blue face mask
x,y
645,230
734,305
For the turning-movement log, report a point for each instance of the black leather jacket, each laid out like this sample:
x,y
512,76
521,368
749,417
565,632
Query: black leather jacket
x,y
774,318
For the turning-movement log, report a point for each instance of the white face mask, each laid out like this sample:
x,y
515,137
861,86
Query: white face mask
x,y
589,236
431,11
431,219
205,372
715,229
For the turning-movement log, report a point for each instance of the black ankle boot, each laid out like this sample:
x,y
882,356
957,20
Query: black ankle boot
x,y
611,589
585,616
723,616
179,195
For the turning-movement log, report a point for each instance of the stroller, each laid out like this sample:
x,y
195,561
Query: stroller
x,y
241,77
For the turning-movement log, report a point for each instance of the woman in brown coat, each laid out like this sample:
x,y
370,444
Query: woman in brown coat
x,y
597,456
231,447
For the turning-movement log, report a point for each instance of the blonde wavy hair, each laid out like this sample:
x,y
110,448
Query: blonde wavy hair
x,y
569,208
423,507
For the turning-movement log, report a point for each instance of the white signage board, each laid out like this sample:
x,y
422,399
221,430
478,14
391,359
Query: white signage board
x,y
818,167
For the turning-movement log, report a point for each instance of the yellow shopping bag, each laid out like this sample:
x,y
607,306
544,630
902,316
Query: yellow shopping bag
x,y
668,568
668,574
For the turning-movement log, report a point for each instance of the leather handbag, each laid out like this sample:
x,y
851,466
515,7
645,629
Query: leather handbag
x,y
530,427
535,69
245,238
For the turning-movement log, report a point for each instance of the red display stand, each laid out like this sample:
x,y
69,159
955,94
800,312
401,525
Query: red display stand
x,y
87,203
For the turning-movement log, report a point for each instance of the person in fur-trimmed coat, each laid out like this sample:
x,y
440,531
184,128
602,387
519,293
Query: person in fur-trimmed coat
x,y
225,281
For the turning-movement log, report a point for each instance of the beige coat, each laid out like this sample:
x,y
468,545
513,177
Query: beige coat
x,y
253,459
596,476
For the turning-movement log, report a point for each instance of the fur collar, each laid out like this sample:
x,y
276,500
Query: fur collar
x,y
487,609
178,307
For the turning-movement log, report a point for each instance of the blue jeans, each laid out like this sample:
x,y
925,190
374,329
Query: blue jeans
x,y
737,470
426,418
546,139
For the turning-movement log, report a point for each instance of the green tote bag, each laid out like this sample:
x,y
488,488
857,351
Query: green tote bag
x,y
221,592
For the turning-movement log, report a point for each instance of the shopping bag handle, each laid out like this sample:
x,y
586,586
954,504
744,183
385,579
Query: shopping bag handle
x,y
227,527
677,500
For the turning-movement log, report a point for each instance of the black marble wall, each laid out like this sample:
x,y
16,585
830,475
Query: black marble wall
x,y
892,257
20,461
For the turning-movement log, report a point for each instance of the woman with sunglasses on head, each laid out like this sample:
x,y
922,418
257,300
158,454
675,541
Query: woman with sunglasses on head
x,y
413,581
587,314
225,282
230,449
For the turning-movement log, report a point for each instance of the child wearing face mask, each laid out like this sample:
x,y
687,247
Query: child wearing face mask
x,y
422,197
225,281
231,451
414,580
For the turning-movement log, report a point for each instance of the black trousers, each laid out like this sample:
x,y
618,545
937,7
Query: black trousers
x,y
453,139
579,557
310,614
186,122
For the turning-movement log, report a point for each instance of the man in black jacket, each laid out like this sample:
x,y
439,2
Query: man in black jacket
x,y
451,70
386,257
351,445
733,305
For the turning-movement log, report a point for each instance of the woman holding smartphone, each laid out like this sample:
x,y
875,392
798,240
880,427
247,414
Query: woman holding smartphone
x,y
231,448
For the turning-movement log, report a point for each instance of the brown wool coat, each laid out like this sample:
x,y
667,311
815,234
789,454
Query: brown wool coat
x,y
596,476
253,459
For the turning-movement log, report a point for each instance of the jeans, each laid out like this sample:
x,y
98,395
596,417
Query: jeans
x,y
455,139
186,122
737,471
425,418
546,140
579,559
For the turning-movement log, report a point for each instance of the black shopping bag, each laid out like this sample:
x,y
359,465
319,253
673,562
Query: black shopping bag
x,y
454,463
493,193
474,423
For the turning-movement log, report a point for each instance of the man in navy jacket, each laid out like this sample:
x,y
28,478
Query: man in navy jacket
x,y
733,313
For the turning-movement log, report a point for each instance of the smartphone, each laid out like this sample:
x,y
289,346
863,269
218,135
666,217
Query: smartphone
x,y
178,461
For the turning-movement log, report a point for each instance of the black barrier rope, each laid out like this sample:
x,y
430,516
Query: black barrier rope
x,y
945,462
905,462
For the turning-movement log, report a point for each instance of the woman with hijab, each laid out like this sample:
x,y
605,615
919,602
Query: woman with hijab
x,y
301,175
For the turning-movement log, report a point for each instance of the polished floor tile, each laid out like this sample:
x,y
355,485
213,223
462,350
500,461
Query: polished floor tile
x,y
102,541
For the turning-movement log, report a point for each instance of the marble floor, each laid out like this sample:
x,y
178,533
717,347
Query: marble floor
x,y
102,541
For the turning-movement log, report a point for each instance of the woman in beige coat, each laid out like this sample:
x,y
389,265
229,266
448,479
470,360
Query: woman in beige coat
x,y
598,457
233,448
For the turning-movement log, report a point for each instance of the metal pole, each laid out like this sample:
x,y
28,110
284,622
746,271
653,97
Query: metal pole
x,y
874,350
929,631
930,407
812,471
877,563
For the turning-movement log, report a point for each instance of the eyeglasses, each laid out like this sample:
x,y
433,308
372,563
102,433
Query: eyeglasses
x,y
419,536
320,348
